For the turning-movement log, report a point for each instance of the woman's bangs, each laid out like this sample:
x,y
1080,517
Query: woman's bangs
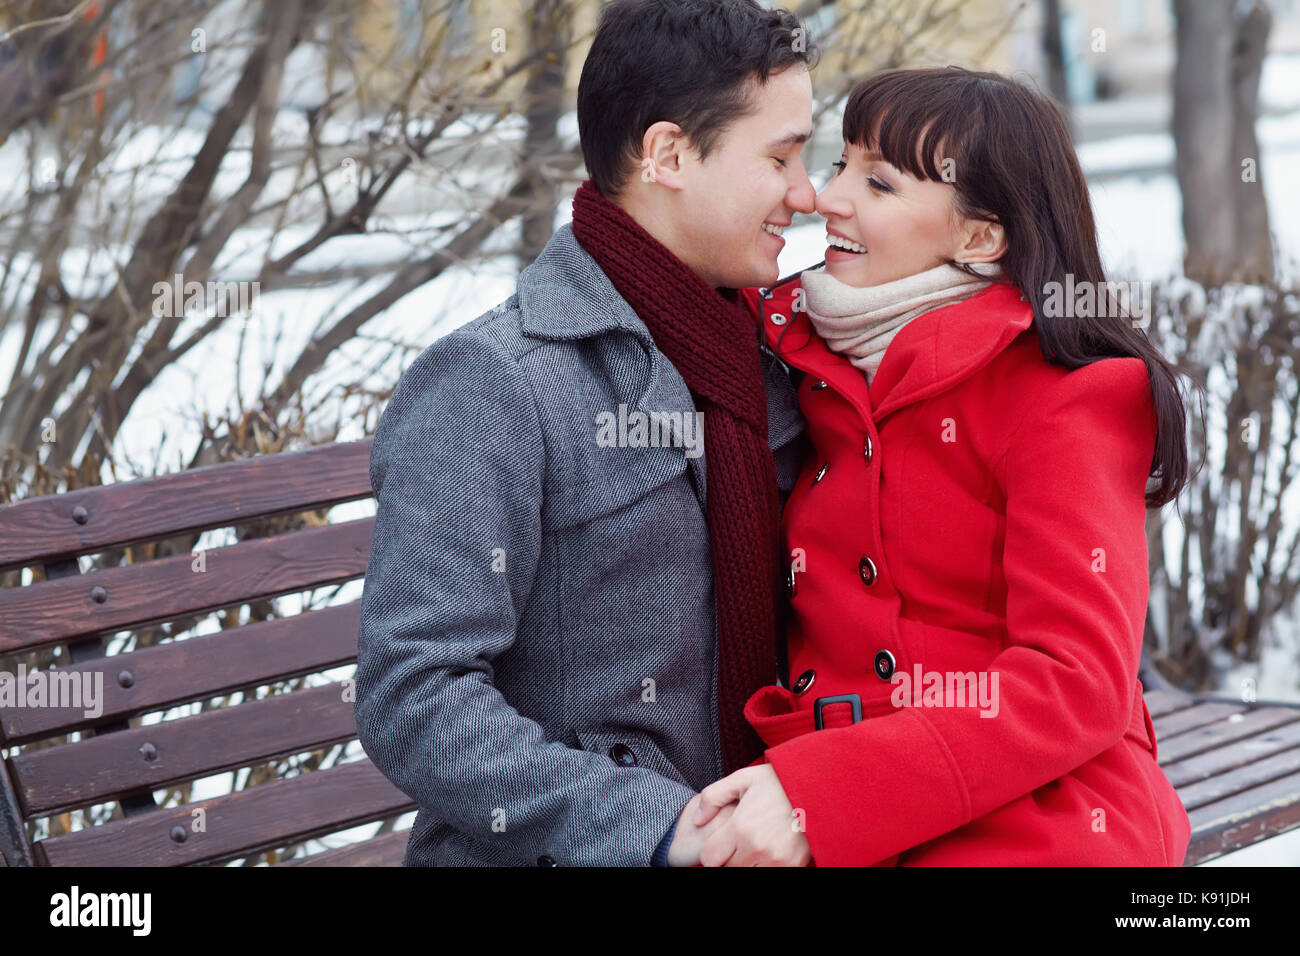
x,y
908,123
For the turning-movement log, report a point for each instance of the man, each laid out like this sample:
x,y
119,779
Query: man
x,y
565,609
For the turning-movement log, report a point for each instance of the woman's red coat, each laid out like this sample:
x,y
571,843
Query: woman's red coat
x,y
1000,500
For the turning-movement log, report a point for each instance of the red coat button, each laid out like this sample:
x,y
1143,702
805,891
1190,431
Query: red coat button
x,y
867,571
884,664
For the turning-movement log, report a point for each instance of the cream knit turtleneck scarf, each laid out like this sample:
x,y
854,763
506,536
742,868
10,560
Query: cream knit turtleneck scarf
x,y
860,322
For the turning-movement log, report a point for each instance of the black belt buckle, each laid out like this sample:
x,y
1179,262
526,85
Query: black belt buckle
x,y
852,699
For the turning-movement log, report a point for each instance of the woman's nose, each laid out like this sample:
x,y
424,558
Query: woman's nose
x,y
831,203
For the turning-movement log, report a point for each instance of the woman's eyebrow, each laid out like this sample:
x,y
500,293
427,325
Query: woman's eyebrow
x,y
874,157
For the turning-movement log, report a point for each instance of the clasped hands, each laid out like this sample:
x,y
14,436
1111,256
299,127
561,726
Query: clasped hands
x,y
744,819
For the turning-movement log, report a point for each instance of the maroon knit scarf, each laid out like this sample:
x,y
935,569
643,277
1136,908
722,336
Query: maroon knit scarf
x,y
712,342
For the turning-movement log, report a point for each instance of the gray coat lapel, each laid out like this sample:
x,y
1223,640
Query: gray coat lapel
x,y
564,296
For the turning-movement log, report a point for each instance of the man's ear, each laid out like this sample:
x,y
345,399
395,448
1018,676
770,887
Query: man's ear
x,y
983,242
662,149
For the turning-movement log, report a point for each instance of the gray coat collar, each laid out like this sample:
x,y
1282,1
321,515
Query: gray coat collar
x,y
565,295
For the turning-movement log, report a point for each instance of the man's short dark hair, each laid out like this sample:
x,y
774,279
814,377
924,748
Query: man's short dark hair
x,y
684,61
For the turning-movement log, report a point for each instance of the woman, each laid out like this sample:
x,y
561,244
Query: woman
x,y
968,561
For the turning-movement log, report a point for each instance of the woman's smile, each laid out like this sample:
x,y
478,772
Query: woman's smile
x,y
840,248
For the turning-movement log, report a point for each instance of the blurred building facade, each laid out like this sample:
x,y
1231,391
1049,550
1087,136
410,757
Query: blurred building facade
x,y
1117,48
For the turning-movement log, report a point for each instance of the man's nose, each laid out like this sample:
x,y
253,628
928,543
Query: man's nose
x,y
802,197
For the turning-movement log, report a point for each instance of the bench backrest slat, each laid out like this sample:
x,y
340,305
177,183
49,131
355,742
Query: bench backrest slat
x,y
235,825
199,668
174,751
386,850
52,612
88,520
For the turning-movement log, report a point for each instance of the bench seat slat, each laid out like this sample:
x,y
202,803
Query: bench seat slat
x,y
1254,774
1244,818
1232,754
238,824
59,778
41,530
1188,719
1161,702
1217,738
52,612
199,668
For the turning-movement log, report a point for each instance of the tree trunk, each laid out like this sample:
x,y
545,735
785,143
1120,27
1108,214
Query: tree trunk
x,y
1216,98
1253,239
548,29
1203,123
1054,55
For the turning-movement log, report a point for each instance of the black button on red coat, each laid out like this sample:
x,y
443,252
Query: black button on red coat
x,y
867,571
884,665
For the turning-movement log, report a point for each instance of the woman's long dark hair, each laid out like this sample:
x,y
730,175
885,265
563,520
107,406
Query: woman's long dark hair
x,y
1014,163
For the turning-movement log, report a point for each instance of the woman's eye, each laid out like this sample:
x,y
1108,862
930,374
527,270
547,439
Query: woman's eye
x,y
839,167
780,162
878,185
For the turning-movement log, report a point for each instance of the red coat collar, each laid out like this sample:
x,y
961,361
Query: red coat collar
x,y
929,355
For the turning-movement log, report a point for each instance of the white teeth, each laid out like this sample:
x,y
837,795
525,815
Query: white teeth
x,y
774,230
840,243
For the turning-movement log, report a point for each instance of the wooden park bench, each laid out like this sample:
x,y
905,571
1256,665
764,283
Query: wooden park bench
x,y
1236,765
115,762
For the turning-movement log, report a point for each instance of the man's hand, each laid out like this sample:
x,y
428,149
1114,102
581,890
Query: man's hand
x,y
689,838
761,830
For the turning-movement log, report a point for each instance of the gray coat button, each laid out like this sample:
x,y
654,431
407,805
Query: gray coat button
x,y
622,755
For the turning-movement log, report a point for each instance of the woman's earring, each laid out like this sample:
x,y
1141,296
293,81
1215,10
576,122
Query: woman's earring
x,y
647,170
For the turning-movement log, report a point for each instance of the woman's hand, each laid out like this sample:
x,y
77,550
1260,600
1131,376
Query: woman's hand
x,y
689,838
763,830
